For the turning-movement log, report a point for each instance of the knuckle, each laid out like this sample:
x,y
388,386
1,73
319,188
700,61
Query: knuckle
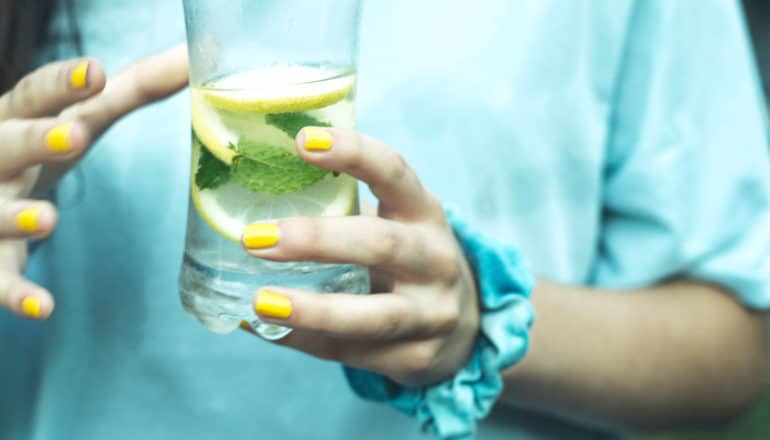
x,y
303,237
434,205
146,86
318,318
25,86
422,250
147,92
62,73
354,159
81,144
447,261
32,131
421,359
17,97
449,267
385,247
447,317
142,89
388,325
399,169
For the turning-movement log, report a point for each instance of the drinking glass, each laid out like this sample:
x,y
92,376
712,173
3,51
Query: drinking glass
x,y
260,71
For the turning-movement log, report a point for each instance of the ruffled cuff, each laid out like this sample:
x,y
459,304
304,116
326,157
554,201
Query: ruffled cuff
x,y
450,409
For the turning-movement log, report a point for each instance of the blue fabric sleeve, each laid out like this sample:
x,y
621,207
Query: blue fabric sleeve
x,y
450,409
686,188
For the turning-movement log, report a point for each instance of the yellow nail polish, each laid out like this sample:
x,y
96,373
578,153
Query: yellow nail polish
x,y
27,220
272,305
317,139
79,76
58,139
30,306
260,235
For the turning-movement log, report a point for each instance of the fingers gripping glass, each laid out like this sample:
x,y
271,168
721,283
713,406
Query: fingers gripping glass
x,y
260,71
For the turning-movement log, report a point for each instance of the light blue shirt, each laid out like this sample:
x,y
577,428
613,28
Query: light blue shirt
x,y
617,143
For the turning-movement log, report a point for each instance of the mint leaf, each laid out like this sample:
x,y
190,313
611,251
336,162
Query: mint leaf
x,y
211,172
292,123
272,170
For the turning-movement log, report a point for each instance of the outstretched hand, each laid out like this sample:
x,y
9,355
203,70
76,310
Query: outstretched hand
x,y
48,121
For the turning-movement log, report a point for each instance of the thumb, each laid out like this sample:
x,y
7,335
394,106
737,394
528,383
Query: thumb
x,y
143,82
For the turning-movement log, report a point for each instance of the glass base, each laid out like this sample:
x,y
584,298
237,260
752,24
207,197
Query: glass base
x,y
270,332
222,299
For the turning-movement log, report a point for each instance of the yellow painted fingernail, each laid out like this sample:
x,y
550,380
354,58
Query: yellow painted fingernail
x,y
58,139
79,76
272,305
30,306
317,139
27,220
260,235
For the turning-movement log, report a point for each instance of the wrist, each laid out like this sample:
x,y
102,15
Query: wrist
x,y
450,409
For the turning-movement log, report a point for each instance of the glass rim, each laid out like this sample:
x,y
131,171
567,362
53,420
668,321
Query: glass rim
x,y
344,72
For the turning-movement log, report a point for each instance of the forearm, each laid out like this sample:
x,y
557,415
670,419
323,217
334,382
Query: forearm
x,y
682,353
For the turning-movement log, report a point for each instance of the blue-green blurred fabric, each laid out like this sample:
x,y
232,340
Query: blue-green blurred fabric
x,y
616,143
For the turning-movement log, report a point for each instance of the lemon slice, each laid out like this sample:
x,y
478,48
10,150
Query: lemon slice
x,y
234,108
218,129
276,90
230,207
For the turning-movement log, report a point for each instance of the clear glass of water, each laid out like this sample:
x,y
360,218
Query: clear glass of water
x,y
260,71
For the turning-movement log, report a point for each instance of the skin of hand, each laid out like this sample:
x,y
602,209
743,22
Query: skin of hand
x,y
48,121
421,323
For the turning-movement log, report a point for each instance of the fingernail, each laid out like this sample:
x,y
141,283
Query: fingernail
x,y
79,76
260,235
27,220
272,305
30,306
58,139
317,139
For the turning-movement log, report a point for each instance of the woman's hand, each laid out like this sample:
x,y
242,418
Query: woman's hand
x,y
421,324
47,123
